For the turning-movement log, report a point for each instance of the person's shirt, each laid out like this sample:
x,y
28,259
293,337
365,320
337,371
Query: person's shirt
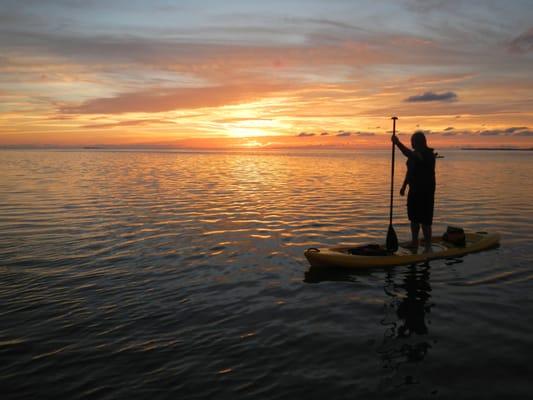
x,y
421,170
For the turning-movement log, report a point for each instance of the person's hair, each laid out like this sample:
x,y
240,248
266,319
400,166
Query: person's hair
x,y
418,140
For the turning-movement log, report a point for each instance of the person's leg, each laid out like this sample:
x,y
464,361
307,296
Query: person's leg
x,y
415,228
426,230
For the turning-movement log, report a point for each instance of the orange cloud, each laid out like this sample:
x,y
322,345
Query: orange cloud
x,y
164,99
126,123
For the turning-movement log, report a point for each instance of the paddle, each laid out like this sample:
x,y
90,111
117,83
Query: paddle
x,y
392,240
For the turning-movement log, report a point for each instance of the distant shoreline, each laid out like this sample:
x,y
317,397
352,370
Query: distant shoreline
x,y
498,148
237,149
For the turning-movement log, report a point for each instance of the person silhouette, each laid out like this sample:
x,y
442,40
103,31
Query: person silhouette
x,y
420,178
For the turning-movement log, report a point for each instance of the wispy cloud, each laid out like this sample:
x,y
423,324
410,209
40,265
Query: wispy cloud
x,y
524,133
340,133
516,129
431,96
512,131
126,123
495,132
508,132
427,6
358,133
522,43
168,99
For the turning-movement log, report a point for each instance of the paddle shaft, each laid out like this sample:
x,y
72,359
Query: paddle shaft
x,y
392,170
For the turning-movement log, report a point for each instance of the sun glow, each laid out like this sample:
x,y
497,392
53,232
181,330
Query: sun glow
x,y
236,132
254,127
252,143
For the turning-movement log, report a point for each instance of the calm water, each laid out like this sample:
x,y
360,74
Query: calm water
x,y
182,275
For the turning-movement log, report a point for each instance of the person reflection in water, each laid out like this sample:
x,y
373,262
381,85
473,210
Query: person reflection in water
x,y
412,306
420,178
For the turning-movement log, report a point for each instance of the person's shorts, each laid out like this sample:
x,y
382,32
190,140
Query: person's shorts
x,y
420,207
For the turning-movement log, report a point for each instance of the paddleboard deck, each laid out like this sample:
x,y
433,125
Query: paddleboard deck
x,y
377,256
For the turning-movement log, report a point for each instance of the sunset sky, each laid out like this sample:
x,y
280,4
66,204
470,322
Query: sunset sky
x,y
271,73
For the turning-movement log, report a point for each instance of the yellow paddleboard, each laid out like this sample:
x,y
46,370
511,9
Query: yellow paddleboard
x,y
377,256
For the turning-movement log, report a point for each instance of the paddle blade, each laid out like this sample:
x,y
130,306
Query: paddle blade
x,y
392,240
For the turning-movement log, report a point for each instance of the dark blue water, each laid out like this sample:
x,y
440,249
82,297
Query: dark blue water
x,y
181,275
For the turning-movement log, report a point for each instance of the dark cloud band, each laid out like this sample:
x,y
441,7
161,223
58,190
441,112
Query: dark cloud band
x,y
431,96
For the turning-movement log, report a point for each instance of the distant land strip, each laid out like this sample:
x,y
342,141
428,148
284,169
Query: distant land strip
x,y
499,148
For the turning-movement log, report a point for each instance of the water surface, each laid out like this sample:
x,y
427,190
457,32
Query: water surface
x,y
181,275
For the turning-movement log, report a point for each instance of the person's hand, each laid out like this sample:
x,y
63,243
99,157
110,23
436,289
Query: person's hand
x,y
394,139
402,191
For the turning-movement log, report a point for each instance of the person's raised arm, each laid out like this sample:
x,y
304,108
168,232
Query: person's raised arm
x,y
406,151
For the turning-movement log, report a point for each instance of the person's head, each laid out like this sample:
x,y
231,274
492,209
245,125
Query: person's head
x,y
418,141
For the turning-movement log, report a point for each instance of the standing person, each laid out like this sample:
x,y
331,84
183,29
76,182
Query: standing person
x,y
421,180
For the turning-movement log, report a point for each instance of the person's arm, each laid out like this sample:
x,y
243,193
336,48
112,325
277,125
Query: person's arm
x,y
404,185
406,151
